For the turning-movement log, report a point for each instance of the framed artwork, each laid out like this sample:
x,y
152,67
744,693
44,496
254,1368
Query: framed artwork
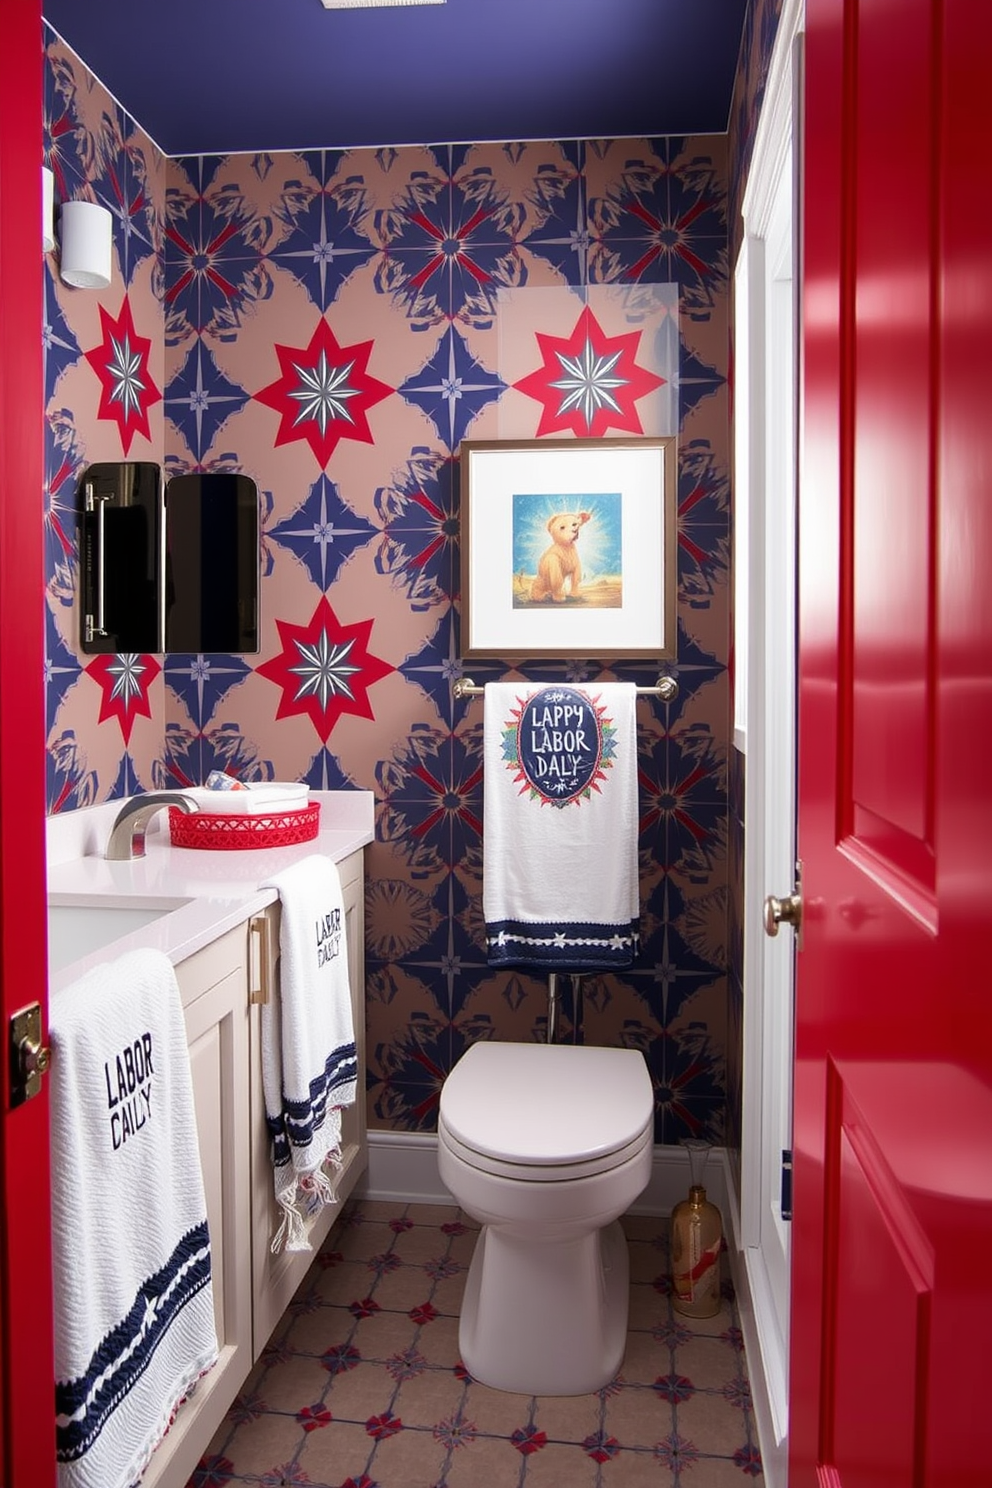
x,y
568,548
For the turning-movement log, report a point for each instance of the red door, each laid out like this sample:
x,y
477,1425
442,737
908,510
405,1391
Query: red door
x,y
26,1372
892,1290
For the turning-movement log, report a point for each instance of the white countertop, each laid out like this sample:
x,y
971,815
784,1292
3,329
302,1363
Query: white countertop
x,y
222,887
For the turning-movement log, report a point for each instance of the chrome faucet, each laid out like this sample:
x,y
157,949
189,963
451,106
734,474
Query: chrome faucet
x,y
127,835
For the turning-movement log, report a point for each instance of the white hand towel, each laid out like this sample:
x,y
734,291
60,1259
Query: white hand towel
x,y
258,798
134,1317
309,1058
560,883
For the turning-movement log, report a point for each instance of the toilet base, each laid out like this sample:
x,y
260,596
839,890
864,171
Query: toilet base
x,y
546,1318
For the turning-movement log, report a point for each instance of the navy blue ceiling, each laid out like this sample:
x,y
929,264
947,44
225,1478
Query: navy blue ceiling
x,y
215,76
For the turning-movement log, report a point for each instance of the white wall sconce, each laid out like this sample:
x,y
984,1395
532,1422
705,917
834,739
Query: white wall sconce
x,y
47,210
87,245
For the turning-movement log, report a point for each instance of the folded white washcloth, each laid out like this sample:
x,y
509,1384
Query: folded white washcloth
x,y
134,1317
559,873
309,1057
259,798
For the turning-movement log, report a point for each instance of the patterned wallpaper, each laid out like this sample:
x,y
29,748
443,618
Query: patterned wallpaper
x,y
104,714
757,41
333,324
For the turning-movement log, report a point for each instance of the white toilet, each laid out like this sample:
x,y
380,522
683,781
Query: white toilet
x,y
546,1145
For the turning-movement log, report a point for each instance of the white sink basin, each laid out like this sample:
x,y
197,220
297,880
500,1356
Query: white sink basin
x,y
79,923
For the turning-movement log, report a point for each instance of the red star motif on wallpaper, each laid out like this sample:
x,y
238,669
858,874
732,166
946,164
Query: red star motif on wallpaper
x,y
325,669
589,382
121,363
324,393
124,679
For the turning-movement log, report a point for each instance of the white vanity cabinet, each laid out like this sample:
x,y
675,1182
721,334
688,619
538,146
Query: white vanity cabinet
x,y
221,988
275,1278
213,984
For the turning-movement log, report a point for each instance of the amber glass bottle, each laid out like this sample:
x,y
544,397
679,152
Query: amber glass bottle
x,y
696,1242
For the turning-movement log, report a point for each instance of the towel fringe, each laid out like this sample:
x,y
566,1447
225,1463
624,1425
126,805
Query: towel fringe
x,y
313,1191
292,1233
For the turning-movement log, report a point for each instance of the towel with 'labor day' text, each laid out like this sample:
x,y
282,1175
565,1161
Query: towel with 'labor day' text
x,y
559,876
134,1307
309,1055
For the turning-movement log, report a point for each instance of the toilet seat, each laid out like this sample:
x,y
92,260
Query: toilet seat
x,y
522,1172
546,1112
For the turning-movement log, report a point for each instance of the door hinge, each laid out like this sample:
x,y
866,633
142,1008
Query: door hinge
x,y
28,1058
786,1183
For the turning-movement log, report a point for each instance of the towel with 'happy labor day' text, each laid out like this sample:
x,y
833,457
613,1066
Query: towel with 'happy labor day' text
x,y
134,1310
559,875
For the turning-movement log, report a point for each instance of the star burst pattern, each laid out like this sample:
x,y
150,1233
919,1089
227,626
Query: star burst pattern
x,y
121,363
325,669
406,1075
323,532
326,239
191,754
432,800
665,219
419,546
69,782
688,1071
199,399
452,388
683,791
452,244
62,669
124,679
589,382
60,507
324,393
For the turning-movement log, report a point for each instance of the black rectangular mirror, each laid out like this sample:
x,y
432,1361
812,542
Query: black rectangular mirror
x,y
121,557
211,563
168,571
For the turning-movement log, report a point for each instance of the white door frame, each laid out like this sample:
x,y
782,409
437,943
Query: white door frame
x,y
765,443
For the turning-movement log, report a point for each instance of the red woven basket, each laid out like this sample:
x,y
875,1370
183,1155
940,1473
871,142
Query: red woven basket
x,y
213,830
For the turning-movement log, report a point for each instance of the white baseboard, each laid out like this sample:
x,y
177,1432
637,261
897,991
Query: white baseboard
x,y
403,1169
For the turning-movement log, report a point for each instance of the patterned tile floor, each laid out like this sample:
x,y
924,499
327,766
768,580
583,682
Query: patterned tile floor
x,y
361,1385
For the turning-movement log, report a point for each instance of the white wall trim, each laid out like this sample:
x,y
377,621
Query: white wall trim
x,y
772,1440
402,1170
754,1238
773,136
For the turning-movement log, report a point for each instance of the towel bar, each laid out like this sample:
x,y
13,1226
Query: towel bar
x,y
666,688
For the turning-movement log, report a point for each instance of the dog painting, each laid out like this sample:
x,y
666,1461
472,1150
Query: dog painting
x,y
559,570
567,557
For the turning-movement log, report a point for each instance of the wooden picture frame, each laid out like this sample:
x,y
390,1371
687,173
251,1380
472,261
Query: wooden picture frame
x,y
568,548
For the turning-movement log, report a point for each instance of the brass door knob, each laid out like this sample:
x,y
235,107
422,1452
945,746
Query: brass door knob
x,y
787,911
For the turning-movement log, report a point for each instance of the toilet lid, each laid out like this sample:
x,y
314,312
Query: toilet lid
x,y
547,1104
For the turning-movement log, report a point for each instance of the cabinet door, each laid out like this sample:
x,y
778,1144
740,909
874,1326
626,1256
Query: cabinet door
x,y
215,1003
275,1278
354,1137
